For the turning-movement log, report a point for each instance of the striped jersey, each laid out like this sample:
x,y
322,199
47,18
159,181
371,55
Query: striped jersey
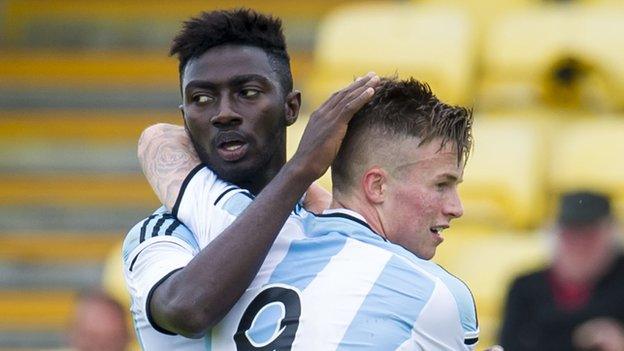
x,y
329,282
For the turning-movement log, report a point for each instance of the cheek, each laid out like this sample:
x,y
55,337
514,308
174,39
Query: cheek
x,y
410,210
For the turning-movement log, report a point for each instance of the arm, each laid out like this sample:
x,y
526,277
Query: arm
x,y
198,296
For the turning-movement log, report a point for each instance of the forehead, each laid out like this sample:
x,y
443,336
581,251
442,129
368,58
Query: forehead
x,y
223,63
430,159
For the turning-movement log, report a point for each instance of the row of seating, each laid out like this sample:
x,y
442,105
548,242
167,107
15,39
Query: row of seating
x,y
561,54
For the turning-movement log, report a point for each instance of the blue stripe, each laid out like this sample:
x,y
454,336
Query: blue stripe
x,y
236,204
305,259
185,234
389,311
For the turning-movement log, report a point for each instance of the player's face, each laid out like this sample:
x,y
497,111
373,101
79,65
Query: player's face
x,y
422,198
236,113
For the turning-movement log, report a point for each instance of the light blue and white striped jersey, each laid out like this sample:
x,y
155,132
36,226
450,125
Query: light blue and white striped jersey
x,y
328,283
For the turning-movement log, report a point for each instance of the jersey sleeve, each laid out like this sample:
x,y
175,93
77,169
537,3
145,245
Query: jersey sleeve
x,y
153,250
439,326
207,205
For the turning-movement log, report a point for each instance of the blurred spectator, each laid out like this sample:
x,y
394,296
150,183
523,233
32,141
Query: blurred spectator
x,y
99,324
577,303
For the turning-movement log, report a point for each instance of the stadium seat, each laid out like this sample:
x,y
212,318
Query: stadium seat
x,y
431,43
488,263
502,185
295,132
588,154
556,54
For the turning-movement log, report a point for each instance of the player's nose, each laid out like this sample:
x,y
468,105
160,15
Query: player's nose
x,y
453,206
226,116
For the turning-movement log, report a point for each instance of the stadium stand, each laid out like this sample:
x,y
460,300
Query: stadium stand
x,y
432,43
502,186
488,264
587,154
572,61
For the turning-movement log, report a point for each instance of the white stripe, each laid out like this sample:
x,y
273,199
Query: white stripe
x,y
438,326
339,289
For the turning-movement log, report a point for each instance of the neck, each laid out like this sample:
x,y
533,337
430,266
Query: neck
x,y
356,203
270,170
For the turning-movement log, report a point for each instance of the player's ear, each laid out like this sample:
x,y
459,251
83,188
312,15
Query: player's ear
x,y
374,184
181,108
292,106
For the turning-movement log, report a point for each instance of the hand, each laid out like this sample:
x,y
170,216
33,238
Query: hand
x,y
495,348
328,124
603,334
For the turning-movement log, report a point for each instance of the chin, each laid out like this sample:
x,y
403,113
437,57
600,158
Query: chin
x,y
234,173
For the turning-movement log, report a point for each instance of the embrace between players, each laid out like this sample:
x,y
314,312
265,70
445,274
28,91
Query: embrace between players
x,y
247,253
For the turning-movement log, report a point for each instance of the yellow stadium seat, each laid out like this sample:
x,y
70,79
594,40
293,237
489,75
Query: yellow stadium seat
x,y
588,154
502,185
431,43
560,55
295,132
484,11
488,263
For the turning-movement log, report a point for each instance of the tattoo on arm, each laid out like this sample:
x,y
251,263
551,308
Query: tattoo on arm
x,y
166,155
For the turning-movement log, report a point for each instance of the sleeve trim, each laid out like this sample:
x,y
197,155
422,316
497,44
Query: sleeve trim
x,y
185,183
471,341
148,311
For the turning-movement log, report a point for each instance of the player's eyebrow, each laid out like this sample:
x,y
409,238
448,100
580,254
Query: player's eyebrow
x,y
242,79
234,82
199,84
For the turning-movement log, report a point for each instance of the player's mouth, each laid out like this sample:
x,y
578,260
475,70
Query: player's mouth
x,y
436,231
231,146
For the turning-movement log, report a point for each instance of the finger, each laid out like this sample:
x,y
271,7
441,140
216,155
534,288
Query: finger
x,y
341,94
350,108
356,93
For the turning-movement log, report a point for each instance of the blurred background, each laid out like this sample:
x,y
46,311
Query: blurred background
x,y
80,80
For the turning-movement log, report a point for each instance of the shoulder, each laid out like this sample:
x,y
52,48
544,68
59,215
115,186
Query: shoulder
x,y
203,189
159,224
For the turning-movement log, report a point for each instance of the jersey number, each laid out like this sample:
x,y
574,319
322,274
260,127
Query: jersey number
x,y
270,321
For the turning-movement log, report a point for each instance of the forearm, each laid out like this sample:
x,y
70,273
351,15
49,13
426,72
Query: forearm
x,y
166,155
198,296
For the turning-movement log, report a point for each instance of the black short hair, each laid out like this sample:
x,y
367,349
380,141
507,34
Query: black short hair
x,y
402,108
240,27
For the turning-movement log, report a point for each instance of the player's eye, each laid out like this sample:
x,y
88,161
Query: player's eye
x,y
250,93
202,98
442,186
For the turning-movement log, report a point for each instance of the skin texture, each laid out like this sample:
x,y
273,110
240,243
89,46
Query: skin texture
x,y
231,94
422,195
197,297
403,202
